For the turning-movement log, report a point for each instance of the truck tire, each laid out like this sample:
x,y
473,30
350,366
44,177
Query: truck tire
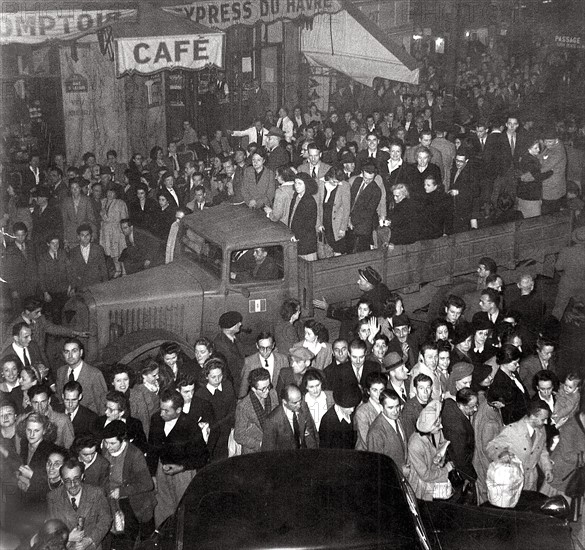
x,y
133,347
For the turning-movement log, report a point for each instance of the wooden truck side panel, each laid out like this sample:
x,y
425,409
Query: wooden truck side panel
x,y
408,267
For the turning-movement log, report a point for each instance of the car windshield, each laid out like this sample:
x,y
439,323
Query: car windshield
x,y
204,252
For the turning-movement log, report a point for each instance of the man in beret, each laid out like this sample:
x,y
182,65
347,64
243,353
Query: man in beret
x,y
277,154
300,360
336,430
227,344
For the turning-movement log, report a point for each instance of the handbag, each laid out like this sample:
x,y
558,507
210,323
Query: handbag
x,y
442,490
119,523
323,249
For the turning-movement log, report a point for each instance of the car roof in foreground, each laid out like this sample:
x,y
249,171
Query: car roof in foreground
x,y
300,499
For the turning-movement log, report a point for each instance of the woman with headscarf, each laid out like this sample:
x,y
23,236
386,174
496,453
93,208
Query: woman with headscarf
x,y
429,470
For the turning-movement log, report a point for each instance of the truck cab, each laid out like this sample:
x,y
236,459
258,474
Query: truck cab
x,y
183,300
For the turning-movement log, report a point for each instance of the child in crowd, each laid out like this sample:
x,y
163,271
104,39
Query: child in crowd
x,y
567,399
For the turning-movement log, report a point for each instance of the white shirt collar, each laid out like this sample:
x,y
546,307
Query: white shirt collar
x,y
213,389
169,425
341,414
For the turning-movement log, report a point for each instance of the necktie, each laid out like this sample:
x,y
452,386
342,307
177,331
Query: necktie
x,y
296,431
280,123
359,192
74,504
513,143
533,438
71,377
400,433
266,363
70,415
26,358
403,394
259,138
405,350
314,173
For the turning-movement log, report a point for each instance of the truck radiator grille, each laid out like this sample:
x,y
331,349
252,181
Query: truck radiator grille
x,y
168,317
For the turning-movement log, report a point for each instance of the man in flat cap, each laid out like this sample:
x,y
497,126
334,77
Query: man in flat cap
x,y
277,154
227,344
290,426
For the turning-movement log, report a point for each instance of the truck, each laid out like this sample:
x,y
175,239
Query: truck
x,y
129,317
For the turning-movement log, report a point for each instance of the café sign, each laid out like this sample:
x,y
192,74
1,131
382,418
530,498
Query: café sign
x,y
220,14
35,27
150,55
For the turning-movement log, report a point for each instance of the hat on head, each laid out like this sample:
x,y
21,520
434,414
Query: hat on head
x,y
428,416
578,235
116,428
348,396
299,352
370,275
106,170
347,157
230,319
401,320
392,361
458,372
490,264
480,373
42,191
482,323
463,330
274,131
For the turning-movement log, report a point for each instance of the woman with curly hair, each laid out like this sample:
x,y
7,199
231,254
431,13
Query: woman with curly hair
x,y
288,329
317,342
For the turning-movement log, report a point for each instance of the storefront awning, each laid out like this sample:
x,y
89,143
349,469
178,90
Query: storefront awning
x,y
350,43
159,40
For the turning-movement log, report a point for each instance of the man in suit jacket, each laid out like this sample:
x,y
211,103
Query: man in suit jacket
x,y
202,148
39,396
365,199
91,379
253,410
266,358
255,134
374,155
466,193
88,260
290,425
76,210
84,420
19,268
457,428
367,412
543,359
75,499
176,450
355,370
46,218
22,347
405,343
277,154
386,434
314,166
525,439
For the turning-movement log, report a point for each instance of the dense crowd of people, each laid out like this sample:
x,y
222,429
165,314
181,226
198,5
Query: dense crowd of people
x,y
105,456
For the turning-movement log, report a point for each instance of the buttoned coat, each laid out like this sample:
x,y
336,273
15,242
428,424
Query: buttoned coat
x,y
94,271
93,506
263,191
515,439
278,433
248,431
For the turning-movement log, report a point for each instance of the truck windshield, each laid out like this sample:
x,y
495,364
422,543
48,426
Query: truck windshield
x,y
206,253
